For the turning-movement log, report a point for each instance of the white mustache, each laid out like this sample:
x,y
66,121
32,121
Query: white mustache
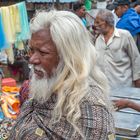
x,y
37,68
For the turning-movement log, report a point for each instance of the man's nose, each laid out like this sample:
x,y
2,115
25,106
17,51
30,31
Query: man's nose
x,y
34,59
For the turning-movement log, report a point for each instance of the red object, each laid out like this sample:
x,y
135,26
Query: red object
x,y
9,82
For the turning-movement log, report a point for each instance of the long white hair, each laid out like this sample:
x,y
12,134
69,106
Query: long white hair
x,y
75,48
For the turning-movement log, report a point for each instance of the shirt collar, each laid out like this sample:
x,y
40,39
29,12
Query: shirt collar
x,y
115,34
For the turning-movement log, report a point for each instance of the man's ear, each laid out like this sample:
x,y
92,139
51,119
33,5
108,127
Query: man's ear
x,y
126,7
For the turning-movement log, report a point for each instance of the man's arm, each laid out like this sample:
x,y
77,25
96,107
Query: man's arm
x,y
97,122
134,105
125,103
134,55
137,83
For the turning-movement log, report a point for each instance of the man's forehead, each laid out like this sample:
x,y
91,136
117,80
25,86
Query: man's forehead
x,y
41,38
36,42
98,18
41,33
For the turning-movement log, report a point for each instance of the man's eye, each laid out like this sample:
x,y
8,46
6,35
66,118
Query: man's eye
x,y
43,53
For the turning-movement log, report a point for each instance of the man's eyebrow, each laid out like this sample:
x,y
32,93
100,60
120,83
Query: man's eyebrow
x,y
38,43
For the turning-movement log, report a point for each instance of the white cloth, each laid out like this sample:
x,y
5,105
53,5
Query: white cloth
x,y
119,59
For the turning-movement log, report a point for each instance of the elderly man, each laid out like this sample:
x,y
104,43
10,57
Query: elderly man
x,y
118,55
68,92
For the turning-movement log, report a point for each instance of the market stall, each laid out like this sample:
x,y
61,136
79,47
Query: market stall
x,y
14,31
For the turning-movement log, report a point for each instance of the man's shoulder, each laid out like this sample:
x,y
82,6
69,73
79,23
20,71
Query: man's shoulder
x,y
95,97
123,32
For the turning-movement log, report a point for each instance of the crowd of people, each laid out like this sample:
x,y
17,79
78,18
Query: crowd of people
x,y
67,95
117,33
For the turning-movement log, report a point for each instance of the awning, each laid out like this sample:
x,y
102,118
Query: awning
x,y
51,1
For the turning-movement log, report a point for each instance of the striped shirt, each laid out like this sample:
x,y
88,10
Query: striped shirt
x,y
96,121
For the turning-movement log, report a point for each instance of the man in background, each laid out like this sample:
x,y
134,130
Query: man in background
x,y
118,56
80,11
129,18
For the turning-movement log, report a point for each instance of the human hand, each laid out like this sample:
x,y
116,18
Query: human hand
x,y
121,103
137,83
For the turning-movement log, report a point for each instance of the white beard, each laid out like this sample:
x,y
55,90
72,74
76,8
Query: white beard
x,y
41,89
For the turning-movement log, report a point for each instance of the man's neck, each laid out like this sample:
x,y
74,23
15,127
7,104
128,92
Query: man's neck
x,y
108,34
